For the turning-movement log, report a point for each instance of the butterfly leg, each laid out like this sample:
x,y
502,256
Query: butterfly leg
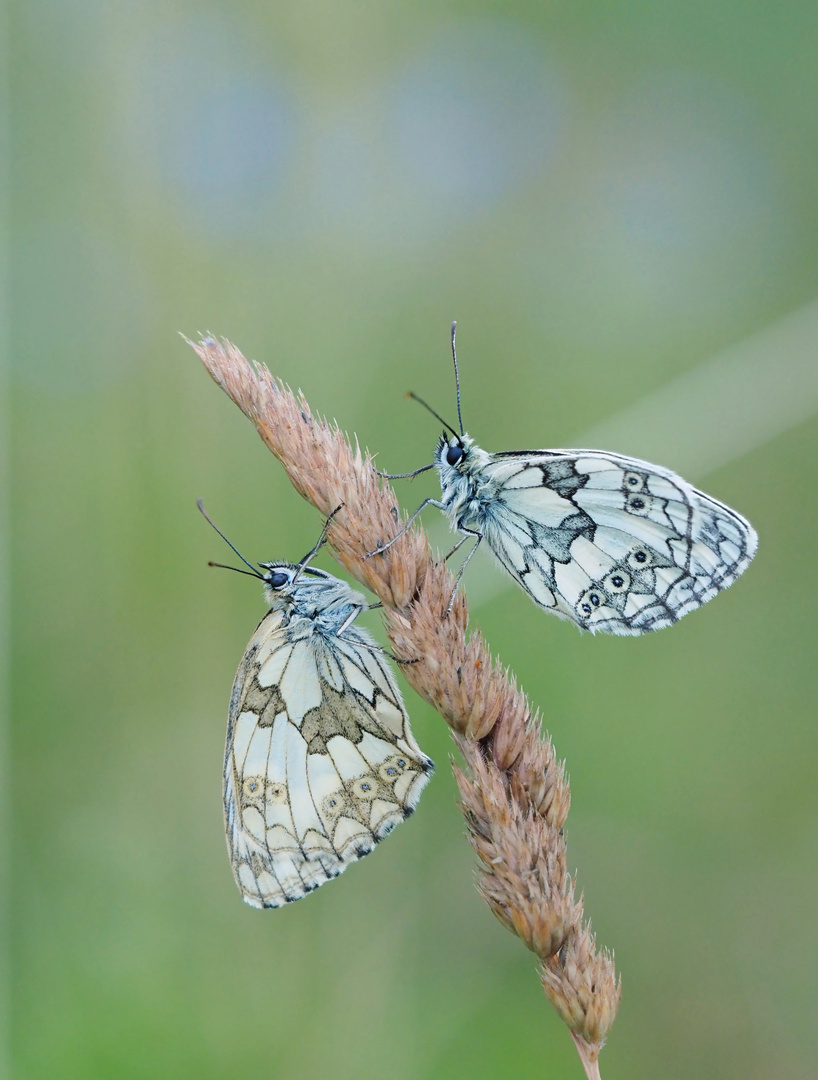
x,y
466,561
426,502
350,619
372,648
322,539
456,547
391,655
404,475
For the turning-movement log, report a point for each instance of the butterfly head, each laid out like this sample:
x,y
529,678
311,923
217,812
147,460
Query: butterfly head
x,y
277,576
454,452
283,579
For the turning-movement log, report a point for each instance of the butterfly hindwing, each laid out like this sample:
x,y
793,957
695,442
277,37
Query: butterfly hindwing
x,y
320,762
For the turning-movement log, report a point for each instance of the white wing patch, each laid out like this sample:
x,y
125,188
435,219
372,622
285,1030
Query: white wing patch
x,y
611,543
320,762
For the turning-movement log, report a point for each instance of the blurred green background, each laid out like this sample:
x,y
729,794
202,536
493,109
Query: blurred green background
x,y
607,197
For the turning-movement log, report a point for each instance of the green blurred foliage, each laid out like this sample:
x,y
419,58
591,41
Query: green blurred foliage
x,y
329,185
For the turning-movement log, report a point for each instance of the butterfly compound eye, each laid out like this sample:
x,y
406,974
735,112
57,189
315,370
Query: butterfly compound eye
x,y
454,454
277,580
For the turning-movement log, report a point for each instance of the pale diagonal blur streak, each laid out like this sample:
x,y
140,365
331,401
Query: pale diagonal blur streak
x,y
724,407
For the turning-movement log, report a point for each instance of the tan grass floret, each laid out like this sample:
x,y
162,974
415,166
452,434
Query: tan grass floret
x,y
515,796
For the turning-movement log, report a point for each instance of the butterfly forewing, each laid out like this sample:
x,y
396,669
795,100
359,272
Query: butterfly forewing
x,y
612,543
320,762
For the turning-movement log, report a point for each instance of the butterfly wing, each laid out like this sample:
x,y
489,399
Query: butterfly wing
x,y
320,763
612,543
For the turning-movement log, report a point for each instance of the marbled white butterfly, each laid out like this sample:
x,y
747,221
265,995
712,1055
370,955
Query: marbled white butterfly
x,y
612,543
320,762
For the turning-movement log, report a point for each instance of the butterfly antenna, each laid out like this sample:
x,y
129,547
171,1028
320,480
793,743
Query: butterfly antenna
x,y
437,416
321,541
224,566
456,376
204,514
